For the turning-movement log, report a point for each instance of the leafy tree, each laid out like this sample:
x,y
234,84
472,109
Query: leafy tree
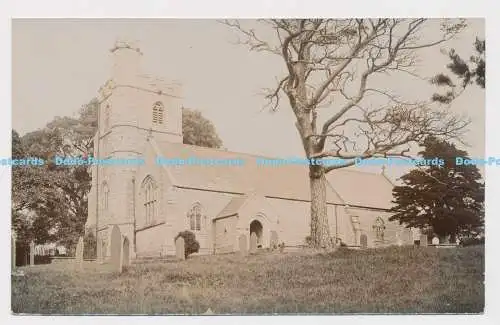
x,y
199,131
50,202
467,73
191,245
449,198
33,191
330,67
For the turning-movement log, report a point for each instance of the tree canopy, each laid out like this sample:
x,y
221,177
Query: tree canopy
x,y
448,199
49,201
467,72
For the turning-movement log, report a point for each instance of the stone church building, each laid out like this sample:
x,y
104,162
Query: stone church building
x,y
141,117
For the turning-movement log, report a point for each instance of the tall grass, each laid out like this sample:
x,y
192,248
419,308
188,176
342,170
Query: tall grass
x,y
390,280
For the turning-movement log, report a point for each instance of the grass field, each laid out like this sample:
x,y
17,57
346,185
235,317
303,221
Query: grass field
x,y
390,280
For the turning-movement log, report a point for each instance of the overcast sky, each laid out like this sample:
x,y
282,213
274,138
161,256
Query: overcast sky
x,y
60,65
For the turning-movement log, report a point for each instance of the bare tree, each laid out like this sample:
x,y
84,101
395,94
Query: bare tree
x,y
329,66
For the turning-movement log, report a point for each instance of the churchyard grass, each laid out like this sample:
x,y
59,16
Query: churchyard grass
x,y
389,280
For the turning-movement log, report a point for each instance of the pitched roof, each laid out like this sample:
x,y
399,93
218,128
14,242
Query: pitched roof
x,y
288,181
233,206
361,188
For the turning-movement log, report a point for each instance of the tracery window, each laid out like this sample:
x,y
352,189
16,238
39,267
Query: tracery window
x,y
195,218
379,228
150,200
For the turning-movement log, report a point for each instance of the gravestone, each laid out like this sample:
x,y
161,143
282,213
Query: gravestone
x,y
13,239
399,242
116,249
180,252
32,253
126,252
208,312
406,237
79,252
435,241
242,244
274,239
363,241
253,243
423,240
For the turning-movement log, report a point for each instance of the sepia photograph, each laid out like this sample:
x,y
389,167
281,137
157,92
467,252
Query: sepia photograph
x,y
274,166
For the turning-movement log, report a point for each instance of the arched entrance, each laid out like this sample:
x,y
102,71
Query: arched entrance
x,y
256,227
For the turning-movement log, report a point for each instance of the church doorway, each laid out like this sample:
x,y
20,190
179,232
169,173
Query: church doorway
x,y
256,227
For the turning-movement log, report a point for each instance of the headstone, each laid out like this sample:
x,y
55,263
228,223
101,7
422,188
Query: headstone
x,y
180,252
126,252
423,240
32,253
274,239
407,236
253,243
363,241
208,312
435,241
185,293
13,240
79,252
243,244
399,242
116,249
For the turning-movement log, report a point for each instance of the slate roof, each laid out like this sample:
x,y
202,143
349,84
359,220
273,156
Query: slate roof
x,y
233,206
361,188
289,181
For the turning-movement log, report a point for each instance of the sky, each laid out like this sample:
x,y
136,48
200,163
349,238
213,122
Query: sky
x,y
59,65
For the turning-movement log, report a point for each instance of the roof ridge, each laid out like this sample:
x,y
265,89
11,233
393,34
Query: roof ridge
x,y
346,169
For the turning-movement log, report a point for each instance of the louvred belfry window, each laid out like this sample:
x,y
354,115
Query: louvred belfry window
x,y
158,111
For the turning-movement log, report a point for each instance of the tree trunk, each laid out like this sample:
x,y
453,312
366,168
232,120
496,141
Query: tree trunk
x,y
320,230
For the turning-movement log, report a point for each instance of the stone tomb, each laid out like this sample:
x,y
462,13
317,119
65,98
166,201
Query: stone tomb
x,y
32,253
423,240
180,251
120,250
79,253
274,240
253,243
116,249
243,244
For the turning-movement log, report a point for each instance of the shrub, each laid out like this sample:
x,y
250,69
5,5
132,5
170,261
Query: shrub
x,y
191,245
472,241
308,241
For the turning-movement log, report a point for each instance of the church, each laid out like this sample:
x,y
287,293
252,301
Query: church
x,y
140,117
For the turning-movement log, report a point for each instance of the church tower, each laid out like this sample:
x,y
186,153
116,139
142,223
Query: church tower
x,y
133,107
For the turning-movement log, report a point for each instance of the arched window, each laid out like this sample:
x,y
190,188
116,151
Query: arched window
x,y
158,113
150,200
379,228
195,217
105,196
